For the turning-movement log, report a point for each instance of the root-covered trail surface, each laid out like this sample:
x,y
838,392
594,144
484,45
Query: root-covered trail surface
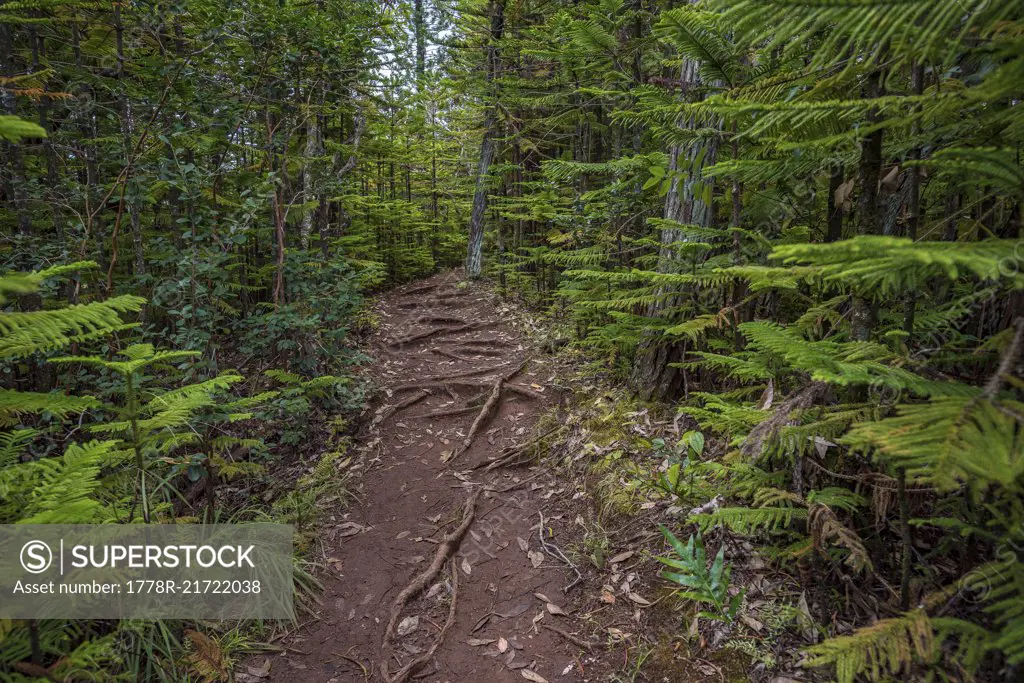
x,y
438,571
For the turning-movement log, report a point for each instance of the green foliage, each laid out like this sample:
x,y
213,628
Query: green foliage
x,y
698,582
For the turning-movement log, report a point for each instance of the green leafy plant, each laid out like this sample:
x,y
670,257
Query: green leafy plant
x,y
698,582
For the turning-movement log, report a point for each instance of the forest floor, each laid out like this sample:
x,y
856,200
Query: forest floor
x,y
438,571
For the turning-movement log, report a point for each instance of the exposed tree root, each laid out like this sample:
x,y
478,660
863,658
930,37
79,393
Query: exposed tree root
x,y
420,336
419,583
447,385
485,343
522,391
404,403
513,456
420,289
453,356
487,411
446,378
449,412
440,320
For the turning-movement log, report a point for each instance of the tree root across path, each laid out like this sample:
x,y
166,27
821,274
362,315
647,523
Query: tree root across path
x,y
427,334
388,411
419,583
487,411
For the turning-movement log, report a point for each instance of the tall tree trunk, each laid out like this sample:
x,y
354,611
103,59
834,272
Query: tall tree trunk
x,y
868,207
835,209
420,27
652,375
309,178
474,251
913,204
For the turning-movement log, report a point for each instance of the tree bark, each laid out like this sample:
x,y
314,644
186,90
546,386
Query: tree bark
x,y
652,375
474,251
868,209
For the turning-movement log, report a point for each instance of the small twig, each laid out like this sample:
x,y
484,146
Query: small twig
x,y
568,636
556,552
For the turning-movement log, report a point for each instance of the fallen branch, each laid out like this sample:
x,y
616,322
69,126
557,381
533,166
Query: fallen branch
x,y
444,553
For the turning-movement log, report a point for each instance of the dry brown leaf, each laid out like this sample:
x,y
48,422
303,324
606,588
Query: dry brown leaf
x,y
536,558
639,600
259,671
502,645
408,625
477,642
607,597
555,609
622,557
531,675
207,660
348,529
466,567
522,544
541,597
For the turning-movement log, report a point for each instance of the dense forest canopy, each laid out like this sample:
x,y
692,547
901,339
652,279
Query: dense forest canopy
x,y
795,223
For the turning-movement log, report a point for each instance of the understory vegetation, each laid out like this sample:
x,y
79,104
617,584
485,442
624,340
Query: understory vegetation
x,y
794,226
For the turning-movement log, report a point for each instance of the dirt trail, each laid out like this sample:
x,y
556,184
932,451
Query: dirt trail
x,y
440,350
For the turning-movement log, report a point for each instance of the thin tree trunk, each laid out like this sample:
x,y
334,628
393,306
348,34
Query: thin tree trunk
x,y
868,208
474,251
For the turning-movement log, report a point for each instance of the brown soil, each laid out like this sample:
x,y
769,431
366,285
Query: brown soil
x,y
411,500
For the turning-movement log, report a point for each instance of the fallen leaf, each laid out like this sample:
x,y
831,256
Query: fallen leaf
x,y
555,609
481,622
541,597
622,557
531,675
639,600
466,567
259,671
502,645
536,558
752,622
522,544
408,625
348,529
607,597
477,642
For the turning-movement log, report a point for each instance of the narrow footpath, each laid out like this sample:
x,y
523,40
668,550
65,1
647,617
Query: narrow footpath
x,y
439,570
